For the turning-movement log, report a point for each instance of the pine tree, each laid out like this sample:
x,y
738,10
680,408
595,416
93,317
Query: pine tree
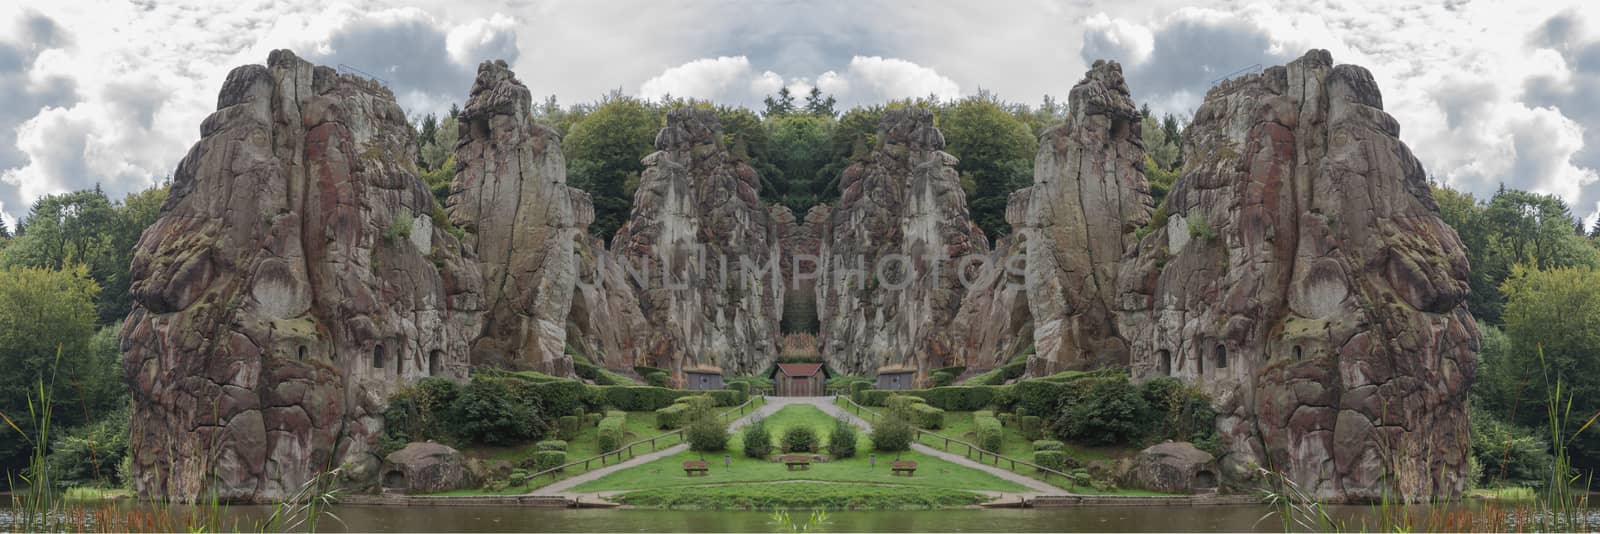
x,y
783,105
1595,232
455,111
4,231
817,105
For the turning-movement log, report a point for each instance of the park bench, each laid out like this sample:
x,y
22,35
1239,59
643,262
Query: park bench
x,y
690,468
906,467
802,462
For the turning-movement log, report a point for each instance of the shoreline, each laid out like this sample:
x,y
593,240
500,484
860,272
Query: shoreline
x,y
1038,502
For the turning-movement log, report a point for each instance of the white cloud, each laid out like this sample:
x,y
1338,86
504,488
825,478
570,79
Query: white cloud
x,y
894,78
706,78
864,79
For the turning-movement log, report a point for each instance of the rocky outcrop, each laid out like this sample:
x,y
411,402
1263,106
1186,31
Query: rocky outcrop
x,y
995,323
711,292
1078,219
526,226
423,468
605,323
1172,467
893,247
1304,279
294,280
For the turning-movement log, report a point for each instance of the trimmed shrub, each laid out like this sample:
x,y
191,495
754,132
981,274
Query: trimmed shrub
x,y
757,440
857,387
928,417
1113,411
983,413
658,379
1039,396
800,439
674,416
551,445
892,435
616,413
487,413
633,398
842,441
941,378
1008,420
707,434
611,433
901,404
568,426
592,419
742,388
1030,426
1048,445
543,460
990,435
727,397
872,397
966,398
1050,459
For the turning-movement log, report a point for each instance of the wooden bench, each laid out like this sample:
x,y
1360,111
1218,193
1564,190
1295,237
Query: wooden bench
x,y
903,467
802,462
690,468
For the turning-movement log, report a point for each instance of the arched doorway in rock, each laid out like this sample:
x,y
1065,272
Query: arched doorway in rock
x,y
435,362
1205,480
377,356
1222,356
394,479
1164,359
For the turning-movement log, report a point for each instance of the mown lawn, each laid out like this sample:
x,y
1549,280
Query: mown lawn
x,y
668,472
959,425
803,495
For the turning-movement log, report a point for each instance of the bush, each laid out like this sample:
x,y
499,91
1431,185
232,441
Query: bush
x,y
842,441
757,440
1048,445
486,413
900,405
1039,396
1050,459
966,398
1508,454
611,431
990,435
928,417
89,455
551,445
892,435
941,378
727,397
857,387
1030,426
1008,420
568,426
543,460
742,388
592,419
633,398
707,434
872,397
1112,412
984,413
658,379
799,439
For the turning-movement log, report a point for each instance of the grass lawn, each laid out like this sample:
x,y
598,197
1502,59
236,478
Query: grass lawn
x,y
802,495
668,472
959,425
640,425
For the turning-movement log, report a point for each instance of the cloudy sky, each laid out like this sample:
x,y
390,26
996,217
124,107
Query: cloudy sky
x,y
112,92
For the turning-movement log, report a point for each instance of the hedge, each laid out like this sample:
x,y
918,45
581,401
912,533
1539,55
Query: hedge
x,y
728,397
872,397
941,378
990,436
1050,459
857,387
611,433
984,413
1030,426
543,460
633,398
902,403
569,426
592,419
1039,396
928,417
1048,445
551,445
742,388
675,416
965,398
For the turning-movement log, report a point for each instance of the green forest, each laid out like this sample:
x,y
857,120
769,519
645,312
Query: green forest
x,y
64,270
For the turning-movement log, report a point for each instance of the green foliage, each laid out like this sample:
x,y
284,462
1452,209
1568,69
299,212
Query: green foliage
x,y
486,413
603,148
804,142
47,327
1200,228
991,436
568,426
658,379
941,378
801,495
682,411
548,459
742,389
1030,426
1112,412
727,397
872,397
757,440
1507,454
612,432
1050,459
551,445
89,455
925,416
800,438
85,228
1181,412
842,440
1048,445
900,405
892,434
707,434
1512,228
964,398
996,151
1559,311
633,398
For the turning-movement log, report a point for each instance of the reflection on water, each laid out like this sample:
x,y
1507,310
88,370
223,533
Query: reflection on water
x,y
1113,519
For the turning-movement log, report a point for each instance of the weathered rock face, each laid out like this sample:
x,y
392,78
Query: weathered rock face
x,y
1078,219
293,281
995,323
605,323
901,212
1305,280
1174,467
426,468
523,222
698,212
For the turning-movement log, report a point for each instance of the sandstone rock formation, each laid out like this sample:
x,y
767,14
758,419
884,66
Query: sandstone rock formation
x,y
293,281
523,222
1078,219
1172,467
1304,279
423,468
995,323
713,295
893,248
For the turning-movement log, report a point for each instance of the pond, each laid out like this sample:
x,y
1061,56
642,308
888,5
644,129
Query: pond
x,y
1098,519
